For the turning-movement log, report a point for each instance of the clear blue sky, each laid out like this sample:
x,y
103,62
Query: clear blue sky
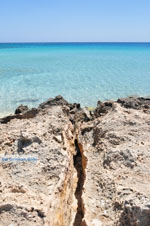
x,y
74,20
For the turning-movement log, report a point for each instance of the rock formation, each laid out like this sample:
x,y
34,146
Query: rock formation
x,y
62,165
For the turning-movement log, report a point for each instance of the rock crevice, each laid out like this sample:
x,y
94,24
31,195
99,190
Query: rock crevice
x,y
80,165
92,166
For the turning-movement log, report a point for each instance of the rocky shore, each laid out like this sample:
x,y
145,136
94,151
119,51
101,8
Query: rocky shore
x,y
89,168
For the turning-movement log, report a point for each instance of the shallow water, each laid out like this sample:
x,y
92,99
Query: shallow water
x,y
80,72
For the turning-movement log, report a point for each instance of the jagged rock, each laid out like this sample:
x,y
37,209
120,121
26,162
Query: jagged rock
x,y
21,109
58,100
31,113
103,108
135,103
79,168
49,182
115,190
84,115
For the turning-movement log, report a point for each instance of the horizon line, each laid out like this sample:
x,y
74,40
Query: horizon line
x,y
76,42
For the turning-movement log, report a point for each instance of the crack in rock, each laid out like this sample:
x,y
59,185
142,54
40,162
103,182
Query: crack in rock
x,y
79,166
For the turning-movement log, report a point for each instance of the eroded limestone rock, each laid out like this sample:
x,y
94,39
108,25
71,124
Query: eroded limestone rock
x,y
90,168
21,109
117,148
38,192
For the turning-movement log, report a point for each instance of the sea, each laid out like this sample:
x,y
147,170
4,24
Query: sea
x,y
30,73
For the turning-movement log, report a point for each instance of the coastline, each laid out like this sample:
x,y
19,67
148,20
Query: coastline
x,y
81,73
2,115
75,113
90,107
61,164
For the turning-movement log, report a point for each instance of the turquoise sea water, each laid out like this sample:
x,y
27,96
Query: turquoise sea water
x,y
80,72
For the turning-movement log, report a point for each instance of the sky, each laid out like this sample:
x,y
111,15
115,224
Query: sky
x,y
74,20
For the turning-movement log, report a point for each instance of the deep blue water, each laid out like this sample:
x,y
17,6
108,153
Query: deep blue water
x,y
81,72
